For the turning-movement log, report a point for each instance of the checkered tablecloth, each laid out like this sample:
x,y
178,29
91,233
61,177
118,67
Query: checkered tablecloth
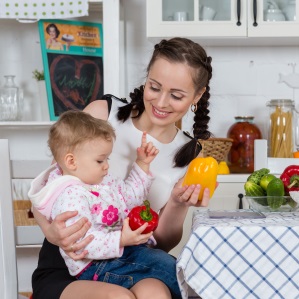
x,y
229,258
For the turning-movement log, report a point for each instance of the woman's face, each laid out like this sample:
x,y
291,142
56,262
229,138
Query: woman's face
x,y
52,32
169,91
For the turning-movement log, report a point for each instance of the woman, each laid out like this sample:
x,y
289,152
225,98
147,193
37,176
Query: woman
x,y
178,78
52,42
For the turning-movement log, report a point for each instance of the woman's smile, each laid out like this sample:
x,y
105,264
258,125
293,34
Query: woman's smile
x,y
159,113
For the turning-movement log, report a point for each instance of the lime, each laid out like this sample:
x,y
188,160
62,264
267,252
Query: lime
x,y
266,179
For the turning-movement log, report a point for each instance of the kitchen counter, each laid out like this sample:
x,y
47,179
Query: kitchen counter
x,y
233,178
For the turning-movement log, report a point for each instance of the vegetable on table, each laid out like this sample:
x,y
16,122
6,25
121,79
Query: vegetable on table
x,y
275,193
257,175
290,178
265,187
266,179
253,189
142,214
202,171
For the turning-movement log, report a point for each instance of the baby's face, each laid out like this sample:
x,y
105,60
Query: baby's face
x,y
92,160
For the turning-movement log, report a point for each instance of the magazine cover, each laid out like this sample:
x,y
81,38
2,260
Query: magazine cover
x,y
72,54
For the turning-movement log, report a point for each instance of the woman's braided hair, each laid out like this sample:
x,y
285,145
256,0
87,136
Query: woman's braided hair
x,y
181,50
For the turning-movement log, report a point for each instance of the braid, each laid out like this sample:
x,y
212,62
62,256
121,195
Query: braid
x,y
201,119
136,104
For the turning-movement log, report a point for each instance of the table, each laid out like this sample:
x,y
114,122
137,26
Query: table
x,y
241,258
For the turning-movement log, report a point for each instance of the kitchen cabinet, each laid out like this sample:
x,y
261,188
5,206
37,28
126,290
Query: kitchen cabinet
x,y
225,22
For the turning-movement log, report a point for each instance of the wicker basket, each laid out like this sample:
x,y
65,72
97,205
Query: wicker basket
x,y
217,148
22,213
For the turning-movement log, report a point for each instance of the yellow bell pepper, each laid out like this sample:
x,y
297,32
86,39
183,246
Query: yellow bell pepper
x,y
223,168
202,171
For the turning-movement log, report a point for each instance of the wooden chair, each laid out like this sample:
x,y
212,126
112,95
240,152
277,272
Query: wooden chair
x,y
11,235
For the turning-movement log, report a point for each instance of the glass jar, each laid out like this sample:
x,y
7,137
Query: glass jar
x,y
11,100
281,128
241,154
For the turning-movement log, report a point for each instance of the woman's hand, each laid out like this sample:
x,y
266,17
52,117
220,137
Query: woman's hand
x,y
66,237
188,195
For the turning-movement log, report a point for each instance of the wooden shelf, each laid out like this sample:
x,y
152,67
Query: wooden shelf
x,y
25,124
29,235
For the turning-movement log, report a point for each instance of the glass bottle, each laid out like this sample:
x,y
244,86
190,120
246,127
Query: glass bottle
x,y
10,100
280,132
241,154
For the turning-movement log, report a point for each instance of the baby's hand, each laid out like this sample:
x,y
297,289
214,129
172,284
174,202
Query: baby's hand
x,y
131,237
147,152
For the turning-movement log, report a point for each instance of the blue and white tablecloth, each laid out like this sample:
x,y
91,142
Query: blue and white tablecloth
x,y
229,258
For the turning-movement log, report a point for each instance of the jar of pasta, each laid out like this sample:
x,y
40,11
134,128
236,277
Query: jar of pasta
x,y
281,131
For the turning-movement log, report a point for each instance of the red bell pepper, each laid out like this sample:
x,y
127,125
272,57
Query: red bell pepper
x,y
142,214
290,178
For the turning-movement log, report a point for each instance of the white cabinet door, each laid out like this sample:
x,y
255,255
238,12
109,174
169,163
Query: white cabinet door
x,y
162,20
273,18
223,19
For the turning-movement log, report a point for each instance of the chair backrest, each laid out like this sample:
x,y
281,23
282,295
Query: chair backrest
x,y
11,235
8,267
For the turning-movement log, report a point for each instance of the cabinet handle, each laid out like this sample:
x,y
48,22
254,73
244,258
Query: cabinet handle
x,y
254,13
240,201
239,12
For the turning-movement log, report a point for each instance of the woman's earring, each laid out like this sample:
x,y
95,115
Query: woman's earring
x,y
194,107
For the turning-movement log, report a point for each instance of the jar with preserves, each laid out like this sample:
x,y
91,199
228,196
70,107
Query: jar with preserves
x,y
241,155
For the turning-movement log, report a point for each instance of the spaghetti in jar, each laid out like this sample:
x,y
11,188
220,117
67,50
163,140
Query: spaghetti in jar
x,y
281,133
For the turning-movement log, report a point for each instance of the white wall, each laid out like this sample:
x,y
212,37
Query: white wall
x,y
244,80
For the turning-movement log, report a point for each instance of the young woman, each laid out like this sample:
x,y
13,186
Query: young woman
x,y
52,42
177,80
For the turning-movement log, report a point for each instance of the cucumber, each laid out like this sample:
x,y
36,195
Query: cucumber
x,y
261,201
275,193
256,176
253,189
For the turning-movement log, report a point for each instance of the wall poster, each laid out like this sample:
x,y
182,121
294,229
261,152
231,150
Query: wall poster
x,y
73,64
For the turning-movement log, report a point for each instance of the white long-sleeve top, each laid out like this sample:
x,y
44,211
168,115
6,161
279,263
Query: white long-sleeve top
x,y
105,205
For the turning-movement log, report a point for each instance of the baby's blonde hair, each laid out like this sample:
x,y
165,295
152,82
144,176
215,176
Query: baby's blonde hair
x,y
74,128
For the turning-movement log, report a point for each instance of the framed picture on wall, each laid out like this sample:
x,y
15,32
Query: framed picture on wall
x,y
72,54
